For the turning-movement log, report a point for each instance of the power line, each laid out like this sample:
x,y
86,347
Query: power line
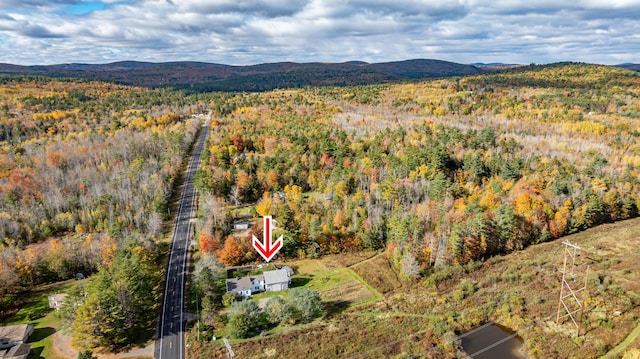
x,y
387,344
415,334
572,305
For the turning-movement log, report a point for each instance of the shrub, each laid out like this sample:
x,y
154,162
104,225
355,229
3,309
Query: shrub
x,y
244,318
280,311
229,298
307,303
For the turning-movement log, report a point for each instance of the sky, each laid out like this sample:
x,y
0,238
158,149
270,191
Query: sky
x,y
243,32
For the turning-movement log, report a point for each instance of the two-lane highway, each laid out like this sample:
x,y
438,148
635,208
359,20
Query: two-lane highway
x,y
170,342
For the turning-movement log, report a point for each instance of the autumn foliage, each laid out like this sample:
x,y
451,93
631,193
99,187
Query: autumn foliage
x,y
448,171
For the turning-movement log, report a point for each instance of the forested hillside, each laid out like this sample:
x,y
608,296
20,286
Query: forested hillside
x,y
440,172
86,171
206,77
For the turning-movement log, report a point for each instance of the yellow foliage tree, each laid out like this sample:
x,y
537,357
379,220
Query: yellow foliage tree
x,y
263,207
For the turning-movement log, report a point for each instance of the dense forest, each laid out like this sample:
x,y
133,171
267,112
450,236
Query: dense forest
x,y
86,172
436,173
206,77
440,172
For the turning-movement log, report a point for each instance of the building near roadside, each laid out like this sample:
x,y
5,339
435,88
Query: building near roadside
x,y
13,335
246,286
270,281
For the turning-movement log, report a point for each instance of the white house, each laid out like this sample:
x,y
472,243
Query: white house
x,y
246,286
276,280
270,281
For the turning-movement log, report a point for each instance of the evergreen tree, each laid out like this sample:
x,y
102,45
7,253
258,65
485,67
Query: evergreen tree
x,y
120,303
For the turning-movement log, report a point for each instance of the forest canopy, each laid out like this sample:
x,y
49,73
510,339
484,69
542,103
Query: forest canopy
x,y
442,172
445,171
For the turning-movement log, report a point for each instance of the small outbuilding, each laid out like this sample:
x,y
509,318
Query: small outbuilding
x,y
56,300
240,225
20,351
288,270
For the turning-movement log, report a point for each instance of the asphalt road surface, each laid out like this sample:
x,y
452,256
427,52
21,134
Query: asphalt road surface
x,y
170,341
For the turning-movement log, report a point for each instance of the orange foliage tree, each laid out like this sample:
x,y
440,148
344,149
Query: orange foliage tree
x,y
232,253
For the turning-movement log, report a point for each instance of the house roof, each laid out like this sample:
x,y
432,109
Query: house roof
x,y
288,270
20,350
15,333
56,299
242,283
275,276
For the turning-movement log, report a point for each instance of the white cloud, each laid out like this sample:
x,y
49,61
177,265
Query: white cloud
x,y
245,31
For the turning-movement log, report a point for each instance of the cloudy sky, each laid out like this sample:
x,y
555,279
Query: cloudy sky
x,y
244,32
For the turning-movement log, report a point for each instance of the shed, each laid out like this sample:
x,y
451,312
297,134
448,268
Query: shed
x,y
20,351
56,300
288,270
240,225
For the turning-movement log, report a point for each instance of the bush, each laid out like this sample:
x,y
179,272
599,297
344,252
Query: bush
x,y
280,311
244,318
306,302
229,298
87,354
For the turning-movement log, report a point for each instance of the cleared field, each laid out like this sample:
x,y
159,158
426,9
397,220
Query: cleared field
x,y
339,287
377,272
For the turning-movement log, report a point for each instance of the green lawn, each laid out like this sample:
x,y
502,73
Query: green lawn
x,y
44,320
340,289
242,211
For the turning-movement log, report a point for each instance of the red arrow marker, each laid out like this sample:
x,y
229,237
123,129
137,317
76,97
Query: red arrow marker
x,y
267,249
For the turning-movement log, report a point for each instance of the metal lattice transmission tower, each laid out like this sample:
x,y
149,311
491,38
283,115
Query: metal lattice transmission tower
x,y
571,301
230,353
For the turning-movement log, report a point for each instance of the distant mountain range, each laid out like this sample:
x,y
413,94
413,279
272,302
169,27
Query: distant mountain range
x,y
201,76
634,67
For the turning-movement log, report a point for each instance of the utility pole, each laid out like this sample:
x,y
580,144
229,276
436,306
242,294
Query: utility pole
x,y
230,352
569,301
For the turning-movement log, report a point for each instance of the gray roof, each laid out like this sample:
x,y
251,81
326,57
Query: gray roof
x,y
18,351
15,333
243,283
275,276
288,270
